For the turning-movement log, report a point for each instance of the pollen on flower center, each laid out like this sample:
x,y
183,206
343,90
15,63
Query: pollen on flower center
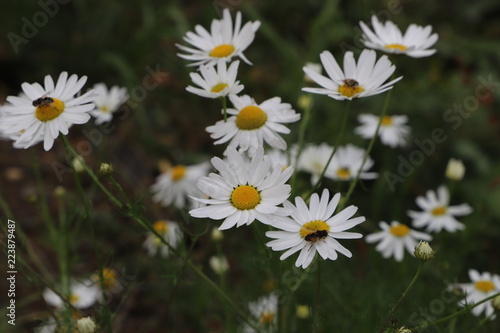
x,y
350,88
48,108
73,298
343,173
218,87
314,231
250,118
104,109
386,121
266,318
438,211
178,172
160,227
396,46
399,230
245,197
221,51
484,286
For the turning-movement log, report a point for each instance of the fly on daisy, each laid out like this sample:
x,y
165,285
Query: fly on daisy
x,y
314,229
216,83
388,38
107,101
393,130
44,112
362,79
224,41
251,124
243,191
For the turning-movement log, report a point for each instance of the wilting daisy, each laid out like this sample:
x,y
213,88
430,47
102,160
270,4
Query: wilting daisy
x,y
176,183
395,238
346,164
265,313
216,83
243,191
388,38
393,131
222,42
313,159
46,111
170,232
362,79
107,102
251,124
83,294
482,286
314,229
437,214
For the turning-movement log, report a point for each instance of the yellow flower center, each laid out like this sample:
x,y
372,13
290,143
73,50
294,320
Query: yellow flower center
x,y
245,197
484,286
250,118
104,109
386,121
266,318
343,173
314,231
221,51
178,172
110,277
48,108
73,298
218,87
399,230
396,46
161,227
350,88
438,211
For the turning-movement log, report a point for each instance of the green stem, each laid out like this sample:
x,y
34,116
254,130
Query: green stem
x,y
395,306
302,129
318,297
456,314
224,107
337,142
368,150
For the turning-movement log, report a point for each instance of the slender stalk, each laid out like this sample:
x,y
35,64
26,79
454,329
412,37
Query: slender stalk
x,y
302,129
337,142
368,150
395,306
224,107
318,297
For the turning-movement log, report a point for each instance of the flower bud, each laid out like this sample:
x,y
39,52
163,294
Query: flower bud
x,y
86,325
217,235
455,170
423,251
106,169
496,303
302,312
219,264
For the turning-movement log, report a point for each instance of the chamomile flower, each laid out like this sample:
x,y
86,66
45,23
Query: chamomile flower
x,y
251,124
393,130
243,191
265,313
107,101
313,159
222,42
170,232
314,229
395,238
437,214
44,112
83,294
388,38
362,79
176,183
346,163
482,286
216,83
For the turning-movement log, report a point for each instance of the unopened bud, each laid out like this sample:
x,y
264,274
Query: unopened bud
x,y
302,312
423,251
219,264
86,325
455,170
217,235
106,169
496,303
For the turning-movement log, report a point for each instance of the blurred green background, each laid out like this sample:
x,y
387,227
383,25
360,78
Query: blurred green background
x,y
128,43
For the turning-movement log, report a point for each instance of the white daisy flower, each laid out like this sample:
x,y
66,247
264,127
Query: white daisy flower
x,y
216,83
482,286
250,124
177,183
395,238
393,131
107,102
172,234
243,192
315,67
223,41
366,78
313,160
49,326
346,163
83,294
314,229
437,214
265,312
46,111
388,38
